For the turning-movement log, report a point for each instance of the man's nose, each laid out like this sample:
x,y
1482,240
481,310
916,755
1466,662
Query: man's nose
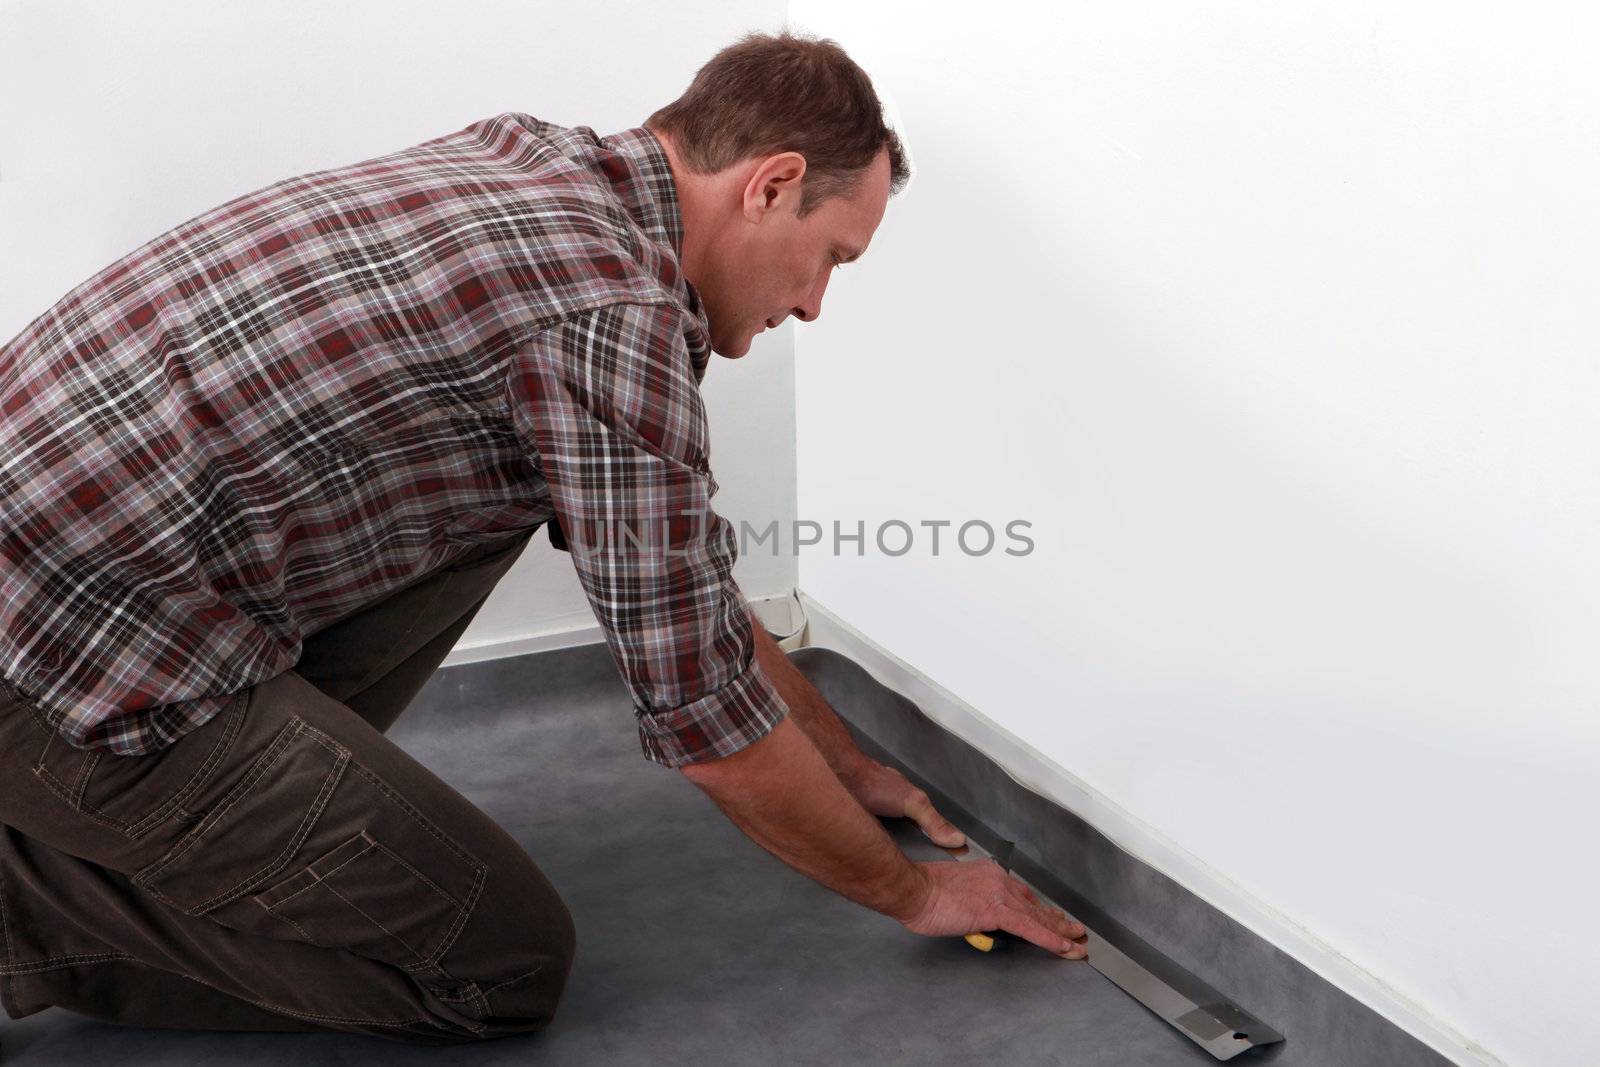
x,y
812,306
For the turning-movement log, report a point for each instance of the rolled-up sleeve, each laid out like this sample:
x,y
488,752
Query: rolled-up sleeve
x,y
606,402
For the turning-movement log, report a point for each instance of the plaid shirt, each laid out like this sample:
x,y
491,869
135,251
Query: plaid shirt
x,y
294,404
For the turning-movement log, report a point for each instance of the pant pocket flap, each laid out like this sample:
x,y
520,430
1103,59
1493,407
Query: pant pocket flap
x,y
256,828
316,871
363,897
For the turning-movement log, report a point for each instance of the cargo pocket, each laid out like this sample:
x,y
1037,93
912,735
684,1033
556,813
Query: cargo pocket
x,y
363,897
311,846
254,830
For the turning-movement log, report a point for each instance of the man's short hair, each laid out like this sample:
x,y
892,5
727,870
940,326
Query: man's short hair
x,y
765,94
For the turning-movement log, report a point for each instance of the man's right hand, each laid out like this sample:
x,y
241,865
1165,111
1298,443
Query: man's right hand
x,y
781,792
969,898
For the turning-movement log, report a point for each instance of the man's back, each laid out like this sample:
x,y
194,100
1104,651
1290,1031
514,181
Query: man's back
x,y
294,404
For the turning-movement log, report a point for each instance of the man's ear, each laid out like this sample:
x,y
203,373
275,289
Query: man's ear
x,y
773,176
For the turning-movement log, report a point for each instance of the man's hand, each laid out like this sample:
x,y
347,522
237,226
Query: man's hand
x,y
885,791
974,897
786,799
806,794
782,794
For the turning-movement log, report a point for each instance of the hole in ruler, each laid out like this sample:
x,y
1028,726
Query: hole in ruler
x,y
1237,1036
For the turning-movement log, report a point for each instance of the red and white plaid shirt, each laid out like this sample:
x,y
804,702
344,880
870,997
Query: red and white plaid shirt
x,y
300,401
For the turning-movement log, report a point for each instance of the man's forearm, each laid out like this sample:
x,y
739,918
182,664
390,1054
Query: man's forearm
x,y
808,708
783,795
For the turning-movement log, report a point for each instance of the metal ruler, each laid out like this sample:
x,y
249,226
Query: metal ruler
x,y
1198,1012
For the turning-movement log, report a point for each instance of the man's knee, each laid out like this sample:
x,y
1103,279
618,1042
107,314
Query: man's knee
x,y
527,998
509,968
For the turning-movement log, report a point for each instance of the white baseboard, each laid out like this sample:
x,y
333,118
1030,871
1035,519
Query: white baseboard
x,y
1049,779
564,633
780,612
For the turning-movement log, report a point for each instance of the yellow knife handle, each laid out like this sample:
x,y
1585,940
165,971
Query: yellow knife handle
x,y
981,942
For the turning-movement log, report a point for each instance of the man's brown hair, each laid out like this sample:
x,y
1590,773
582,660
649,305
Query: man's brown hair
x,y
766,94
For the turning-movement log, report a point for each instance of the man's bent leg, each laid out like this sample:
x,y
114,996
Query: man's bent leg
x,y
290,857
51,961
376,660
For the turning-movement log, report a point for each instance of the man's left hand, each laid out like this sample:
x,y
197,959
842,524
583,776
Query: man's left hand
x,y
885,791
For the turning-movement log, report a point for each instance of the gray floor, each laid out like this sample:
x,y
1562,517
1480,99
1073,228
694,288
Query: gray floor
x,y
693,943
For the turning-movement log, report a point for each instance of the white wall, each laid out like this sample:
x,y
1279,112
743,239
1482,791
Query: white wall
x,y
119,121
1279,323
1276,321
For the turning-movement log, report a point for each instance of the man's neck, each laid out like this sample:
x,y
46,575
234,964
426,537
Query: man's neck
x,y
698,196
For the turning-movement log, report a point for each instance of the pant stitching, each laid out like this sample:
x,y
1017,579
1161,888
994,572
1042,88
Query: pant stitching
x,y
461,917
316,735
508,981
57,962
414,813
295,841
133,831
317,879
62,790
263,764
405,805
424,879
415,956
85,766
418,958
469,991
5,920
314,1017
230,727
69,794
8,1002
481,1001
300,929
480,867
60,962
52,963
50,735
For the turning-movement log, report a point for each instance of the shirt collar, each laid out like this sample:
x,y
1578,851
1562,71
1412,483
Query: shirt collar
x,y
654,204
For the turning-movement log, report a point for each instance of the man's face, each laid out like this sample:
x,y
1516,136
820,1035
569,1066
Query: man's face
x,y
767,263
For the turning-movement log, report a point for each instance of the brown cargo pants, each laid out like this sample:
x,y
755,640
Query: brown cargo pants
x,y
283,866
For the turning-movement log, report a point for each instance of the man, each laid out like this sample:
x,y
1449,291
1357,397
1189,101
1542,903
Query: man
x,y
259,475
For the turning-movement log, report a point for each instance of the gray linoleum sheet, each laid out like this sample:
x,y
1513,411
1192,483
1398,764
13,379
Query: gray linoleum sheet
x,y
694,945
